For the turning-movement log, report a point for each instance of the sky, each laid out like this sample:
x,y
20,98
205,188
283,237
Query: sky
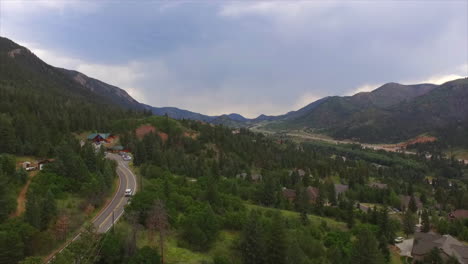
x,y
246,57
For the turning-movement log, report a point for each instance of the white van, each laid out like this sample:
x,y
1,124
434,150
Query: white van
x,y
128,192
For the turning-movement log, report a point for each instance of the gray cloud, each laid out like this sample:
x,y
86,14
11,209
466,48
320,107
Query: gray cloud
x,y
251,57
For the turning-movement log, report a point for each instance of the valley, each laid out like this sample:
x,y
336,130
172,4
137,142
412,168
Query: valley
x,y
323,184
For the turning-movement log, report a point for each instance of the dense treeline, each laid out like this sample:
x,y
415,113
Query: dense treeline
x,y
80,179
206,176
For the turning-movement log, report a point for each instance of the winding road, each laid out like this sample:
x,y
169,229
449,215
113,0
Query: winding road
x,y
114,209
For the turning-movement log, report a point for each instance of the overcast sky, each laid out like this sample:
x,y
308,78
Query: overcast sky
x,y
248,57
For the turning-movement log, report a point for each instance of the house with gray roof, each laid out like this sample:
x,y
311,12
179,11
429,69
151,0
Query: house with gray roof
x,y
446,244
340,188
378,185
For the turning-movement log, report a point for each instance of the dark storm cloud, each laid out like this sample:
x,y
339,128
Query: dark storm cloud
x,y
246,57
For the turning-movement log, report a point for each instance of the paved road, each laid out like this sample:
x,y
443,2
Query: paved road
x,y
115,209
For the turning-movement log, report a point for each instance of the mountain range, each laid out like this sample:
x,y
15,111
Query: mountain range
x,y
390,113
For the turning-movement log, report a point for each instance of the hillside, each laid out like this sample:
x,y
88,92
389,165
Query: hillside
x,y
111,93
40,104
391,113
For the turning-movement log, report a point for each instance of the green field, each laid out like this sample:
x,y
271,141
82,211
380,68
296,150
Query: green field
x,y
314,219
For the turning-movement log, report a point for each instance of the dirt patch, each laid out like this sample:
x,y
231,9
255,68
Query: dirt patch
x,y
164,137
420,139
143,130
191,134
21,200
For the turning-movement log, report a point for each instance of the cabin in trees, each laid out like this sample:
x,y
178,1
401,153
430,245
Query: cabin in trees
x,y
289,194
255,177
41,163
313,194
117,149
381,186
99,137
340,188
458,214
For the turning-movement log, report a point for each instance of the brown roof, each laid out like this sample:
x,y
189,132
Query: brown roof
x,y
289,194
312,193
459,214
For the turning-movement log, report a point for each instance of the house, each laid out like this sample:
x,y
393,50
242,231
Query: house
x,y
448,246
41,163
340,188
377,185
116,149
289,194
99,137
256,177
242,175
405,199
26,164
299,172
458,214
313,194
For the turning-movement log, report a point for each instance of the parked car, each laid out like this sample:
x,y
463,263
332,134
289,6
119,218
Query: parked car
x,y
399,239
31,168
126,158
128,192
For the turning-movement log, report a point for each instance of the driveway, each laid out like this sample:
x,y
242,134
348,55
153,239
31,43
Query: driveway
x,y
405,247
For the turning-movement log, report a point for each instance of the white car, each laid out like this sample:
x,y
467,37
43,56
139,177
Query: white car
x,y
399,239
127,158
128,192
31,168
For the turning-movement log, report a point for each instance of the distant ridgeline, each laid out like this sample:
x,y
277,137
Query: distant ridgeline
x,y
51,101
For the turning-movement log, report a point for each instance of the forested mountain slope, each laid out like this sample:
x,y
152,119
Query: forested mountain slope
x,y
390,113
40,104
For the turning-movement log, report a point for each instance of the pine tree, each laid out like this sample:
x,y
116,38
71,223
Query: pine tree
x,y
252,244
350,214
7,136
276,244
33,211
412,205
4,203
49,209
409,222
434,257
366,250
426,225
